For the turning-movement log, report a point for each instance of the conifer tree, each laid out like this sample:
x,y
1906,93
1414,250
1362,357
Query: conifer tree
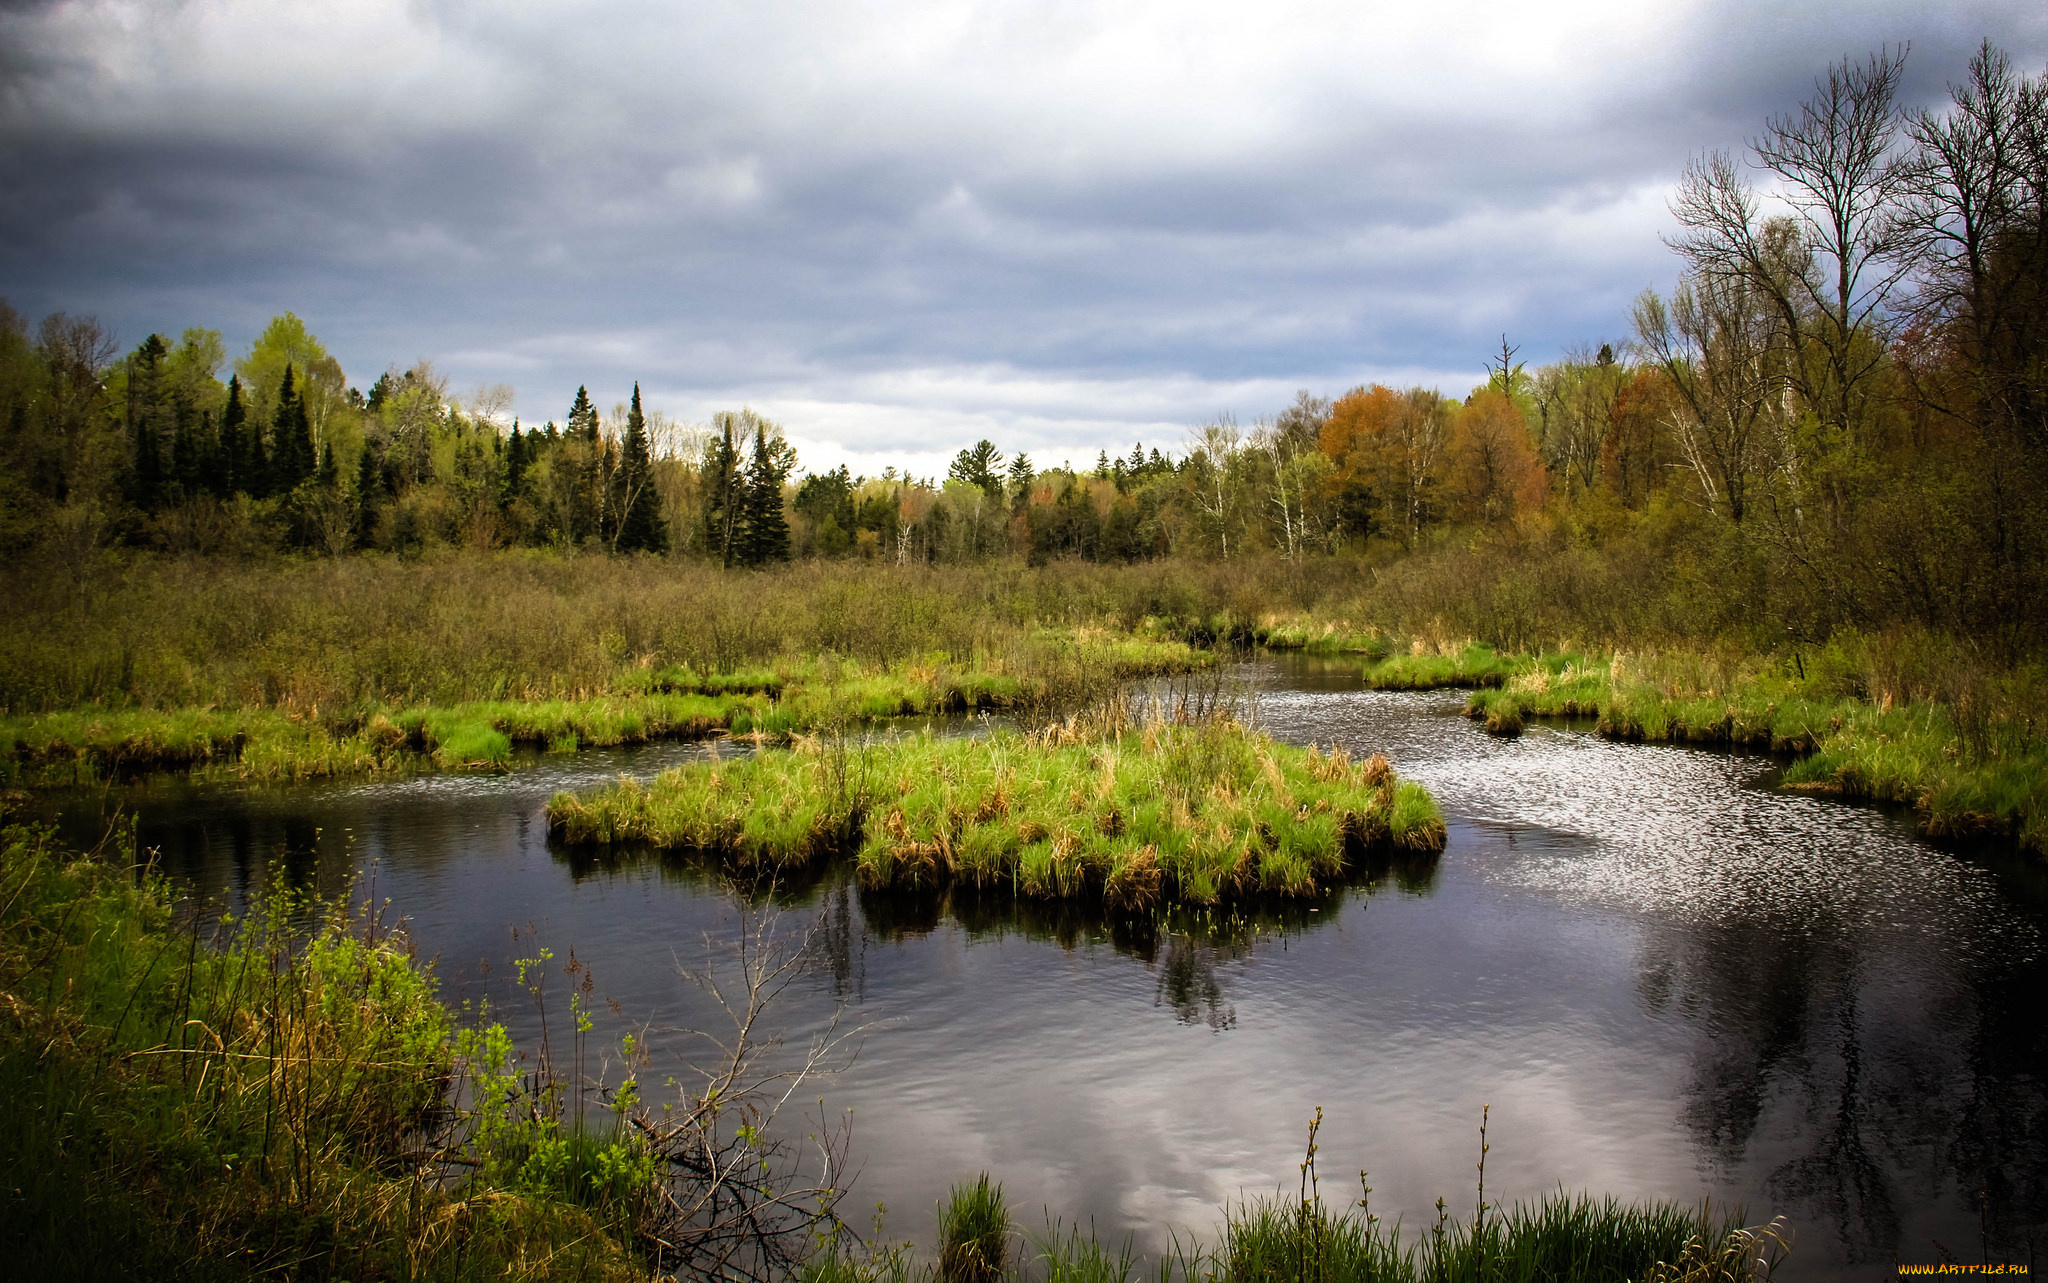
x,y
515,465
234,451
1021,475
185,453
582,416
369,496
767,528
643,529
291,460
724,515
148,433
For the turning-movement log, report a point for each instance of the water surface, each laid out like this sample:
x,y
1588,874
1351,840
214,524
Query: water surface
x,y
1666,978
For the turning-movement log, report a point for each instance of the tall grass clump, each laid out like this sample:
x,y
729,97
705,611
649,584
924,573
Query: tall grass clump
x,y
974,1233
1425,668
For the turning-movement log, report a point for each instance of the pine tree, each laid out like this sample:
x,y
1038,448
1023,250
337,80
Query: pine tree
x,y
643,529
724,507
515,465
369,496
291,458
234,451
256,464
582,416
148,432
185,453
767,529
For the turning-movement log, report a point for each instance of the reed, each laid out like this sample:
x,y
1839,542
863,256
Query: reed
x,y
1167,812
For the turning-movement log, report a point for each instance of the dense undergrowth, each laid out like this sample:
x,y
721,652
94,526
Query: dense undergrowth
x,y
262,1098
1193,811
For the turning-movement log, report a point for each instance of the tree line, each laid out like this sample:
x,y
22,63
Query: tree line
x,y
1846,393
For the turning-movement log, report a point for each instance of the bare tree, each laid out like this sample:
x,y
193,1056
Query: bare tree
x,y
1724,357
1975,218
1831,284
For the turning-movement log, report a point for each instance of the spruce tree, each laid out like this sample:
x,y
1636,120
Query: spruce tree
x,y
369,496
234,451
723,506
515,466
148,432
767,529
291,460
256,464
643,528
185,453
582,416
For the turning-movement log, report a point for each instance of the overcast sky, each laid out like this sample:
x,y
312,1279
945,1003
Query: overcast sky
x,y
898,225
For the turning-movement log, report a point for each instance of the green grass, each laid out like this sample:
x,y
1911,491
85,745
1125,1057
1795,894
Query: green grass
x,y
974,1233
186,1104
1966,778
1475,664
650,704
1326,638
1561,1238
1196,813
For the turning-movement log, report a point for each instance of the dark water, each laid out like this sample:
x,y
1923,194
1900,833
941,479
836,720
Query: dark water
x,y
1668,981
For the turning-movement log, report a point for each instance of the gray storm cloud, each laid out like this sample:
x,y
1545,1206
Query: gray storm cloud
x,y
899,225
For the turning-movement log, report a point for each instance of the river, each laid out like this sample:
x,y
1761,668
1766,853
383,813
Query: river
x,y
1666,978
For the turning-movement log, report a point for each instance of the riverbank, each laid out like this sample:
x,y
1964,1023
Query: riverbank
x,y
264,1101
642,704
1973,766
1168,812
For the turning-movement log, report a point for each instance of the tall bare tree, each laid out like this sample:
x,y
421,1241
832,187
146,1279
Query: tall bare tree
x,y
1831,286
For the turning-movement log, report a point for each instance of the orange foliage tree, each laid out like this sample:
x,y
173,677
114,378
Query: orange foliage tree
x,y
1495,471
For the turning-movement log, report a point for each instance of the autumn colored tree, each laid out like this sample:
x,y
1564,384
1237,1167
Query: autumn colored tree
x,y
1495,471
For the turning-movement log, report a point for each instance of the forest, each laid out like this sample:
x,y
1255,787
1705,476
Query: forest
x,y
1838,418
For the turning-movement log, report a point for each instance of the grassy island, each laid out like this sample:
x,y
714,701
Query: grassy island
x,y
1166,812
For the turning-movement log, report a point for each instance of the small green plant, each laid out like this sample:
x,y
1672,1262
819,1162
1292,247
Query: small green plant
x,y
974,1233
